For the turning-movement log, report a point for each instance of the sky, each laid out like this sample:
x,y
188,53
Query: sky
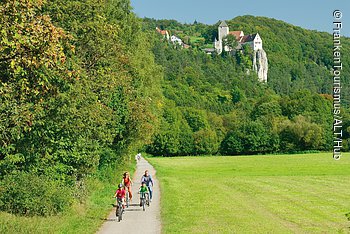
x,y
309,14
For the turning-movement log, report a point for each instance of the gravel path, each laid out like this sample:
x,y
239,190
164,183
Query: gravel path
x,y
135,220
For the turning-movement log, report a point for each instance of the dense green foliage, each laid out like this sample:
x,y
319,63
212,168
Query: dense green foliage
x,y
215,106
254,194
79,93
31,194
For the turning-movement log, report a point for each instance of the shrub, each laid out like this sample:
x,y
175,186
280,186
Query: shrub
x,y
232,144
206,142
27,194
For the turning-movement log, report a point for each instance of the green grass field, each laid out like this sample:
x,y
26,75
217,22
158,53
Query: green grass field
x,y
196,39
307,193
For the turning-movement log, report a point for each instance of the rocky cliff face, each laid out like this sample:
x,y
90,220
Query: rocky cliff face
x,y
260,64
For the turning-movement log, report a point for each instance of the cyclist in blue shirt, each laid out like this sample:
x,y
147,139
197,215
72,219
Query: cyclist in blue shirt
x,y
147,179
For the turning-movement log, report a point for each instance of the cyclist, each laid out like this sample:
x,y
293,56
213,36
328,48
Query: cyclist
x,y
120,194
147,179
127,183
138,157
143,189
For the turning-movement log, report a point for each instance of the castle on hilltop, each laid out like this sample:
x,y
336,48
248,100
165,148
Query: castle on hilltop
x,y
254,40
259,57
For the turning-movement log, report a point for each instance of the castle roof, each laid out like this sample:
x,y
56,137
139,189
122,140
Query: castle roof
x,y
248,38
163,32
223,24
237,34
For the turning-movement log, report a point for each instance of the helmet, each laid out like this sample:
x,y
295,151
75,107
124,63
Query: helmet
x,y
120,185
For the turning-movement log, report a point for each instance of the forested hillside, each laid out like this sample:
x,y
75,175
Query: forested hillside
x,y
298,58
86,84
215,106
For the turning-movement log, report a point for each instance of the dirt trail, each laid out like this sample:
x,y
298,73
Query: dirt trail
x,y
135,220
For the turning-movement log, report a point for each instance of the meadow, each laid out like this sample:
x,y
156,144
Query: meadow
x,y
305,193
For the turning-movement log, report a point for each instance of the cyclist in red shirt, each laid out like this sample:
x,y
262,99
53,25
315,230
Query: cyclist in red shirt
x,y
120,194
127,183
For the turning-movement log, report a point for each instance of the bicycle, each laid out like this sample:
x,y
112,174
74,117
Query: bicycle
x,y
144,200
119,211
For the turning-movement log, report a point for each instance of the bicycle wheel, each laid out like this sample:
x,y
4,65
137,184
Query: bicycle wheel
x,y
147,200
120,215
143,205
127,199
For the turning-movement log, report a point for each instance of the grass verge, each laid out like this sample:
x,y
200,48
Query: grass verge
x,y
81,218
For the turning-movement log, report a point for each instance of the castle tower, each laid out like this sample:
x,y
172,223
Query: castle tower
x,y
223,31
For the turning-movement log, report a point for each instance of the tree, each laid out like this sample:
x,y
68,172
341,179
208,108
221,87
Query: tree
x,y
205,142
237,95
232,144
211,33
300,134
230,41
32,72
